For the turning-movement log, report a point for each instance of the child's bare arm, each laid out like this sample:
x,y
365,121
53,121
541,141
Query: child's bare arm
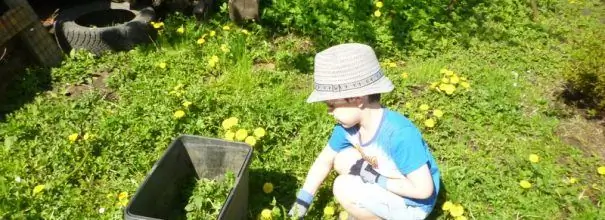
x,y
418,184
319,170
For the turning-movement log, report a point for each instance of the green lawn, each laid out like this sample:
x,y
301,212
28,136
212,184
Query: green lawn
x,y
514,65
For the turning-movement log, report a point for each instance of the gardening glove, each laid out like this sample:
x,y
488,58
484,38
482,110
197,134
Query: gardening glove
x,y
300,207
367,173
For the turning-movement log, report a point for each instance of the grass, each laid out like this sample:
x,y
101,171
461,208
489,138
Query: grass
x,y
482,143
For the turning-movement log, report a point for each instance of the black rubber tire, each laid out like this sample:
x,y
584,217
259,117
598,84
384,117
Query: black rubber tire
x,y
124,36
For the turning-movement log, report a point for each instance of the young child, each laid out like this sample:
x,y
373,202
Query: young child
x,y
385,168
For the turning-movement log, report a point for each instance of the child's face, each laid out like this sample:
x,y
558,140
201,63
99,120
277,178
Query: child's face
x,y
346,112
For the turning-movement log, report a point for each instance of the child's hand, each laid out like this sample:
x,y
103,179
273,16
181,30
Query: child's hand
x,y
300,207
364,169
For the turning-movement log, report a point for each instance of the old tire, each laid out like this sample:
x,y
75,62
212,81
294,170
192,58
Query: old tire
x,y
102,26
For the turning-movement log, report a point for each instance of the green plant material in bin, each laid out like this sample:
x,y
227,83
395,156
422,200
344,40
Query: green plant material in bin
x,y
208,197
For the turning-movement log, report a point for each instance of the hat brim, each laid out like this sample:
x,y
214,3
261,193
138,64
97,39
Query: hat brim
x,y
383,85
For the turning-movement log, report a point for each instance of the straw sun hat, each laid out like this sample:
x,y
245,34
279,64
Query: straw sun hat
x,y
348,70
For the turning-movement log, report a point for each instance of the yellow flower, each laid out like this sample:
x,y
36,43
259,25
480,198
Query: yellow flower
x,y
180,30
73,137
573,180
250,140
157,25
454,79
266,214
244,31
229,122
38,189
224,48
229,135
268,187
456,210
226,28
434,85
379,4
179,114
447,206
408,105
429,123
201,41
534,158
465,85
343,215
461,218
392,65
404,75
122,195
437,113
86,136
463,78
162,65
601,170
424,107
377,13
445,80
329,211
241,134
448,88
449,73
259,132
186,104
525,184
212,33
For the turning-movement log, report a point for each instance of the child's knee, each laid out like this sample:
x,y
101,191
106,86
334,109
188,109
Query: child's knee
x,y
345,159
343,188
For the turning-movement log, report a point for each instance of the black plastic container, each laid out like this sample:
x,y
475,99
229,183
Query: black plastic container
x,y
189,158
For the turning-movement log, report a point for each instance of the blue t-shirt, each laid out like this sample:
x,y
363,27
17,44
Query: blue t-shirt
x,y
398,147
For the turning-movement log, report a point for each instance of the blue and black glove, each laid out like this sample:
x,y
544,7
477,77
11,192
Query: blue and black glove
x,y
368,174
301,206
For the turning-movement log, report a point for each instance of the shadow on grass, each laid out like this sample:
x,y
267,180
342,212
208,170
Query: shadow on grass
x,y
284,192
22,88
441,198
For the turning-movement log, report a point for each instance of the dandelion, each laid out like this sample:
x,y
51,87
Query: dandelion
x,y
437,113
157,25
434,85
226,28
379,4
268,187
601,170
244,31
186,104
392,65
429,123
224,48
573,180
463,78
525,184
180,30
445,80
377,13
461,218
162,65
179,114
534,158
201,41
214,58
122,195
38,189
404,75
229,122
266,214
448,88
241,134
73,137
456,210
466,85
448,73
259,132
122,203
329,211
101,210
229,135
454,79
447,206
424,107
212,33
250,140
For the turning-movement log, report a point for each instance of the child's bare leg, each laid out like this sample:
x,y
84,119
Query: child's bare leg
x,y
345,190
345,159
